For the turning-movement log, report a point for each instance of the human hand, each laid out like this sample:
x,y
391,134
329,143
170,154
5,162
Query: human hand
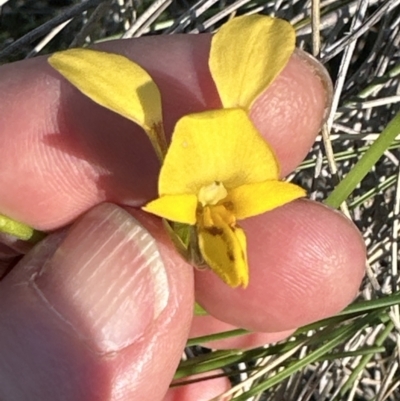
x,y
102,309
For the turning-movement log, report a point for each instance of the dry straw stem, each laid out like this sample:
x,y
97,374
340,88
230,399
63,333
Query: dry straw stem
x,y
351,356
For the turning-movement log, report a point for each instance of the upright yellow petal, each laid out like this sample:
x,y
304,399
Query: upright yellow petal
x,y
219,145
117,83
253,199
247,54
113,81
224,250
179,208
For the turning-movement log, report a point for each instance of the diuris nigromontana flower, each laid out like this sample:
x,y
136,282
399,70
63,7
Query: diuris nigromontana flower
x,y
218,169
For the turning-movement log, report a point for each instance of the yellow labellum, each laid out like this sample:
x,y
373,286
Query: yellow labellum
x,y
117,83
247,54
218,169
223,248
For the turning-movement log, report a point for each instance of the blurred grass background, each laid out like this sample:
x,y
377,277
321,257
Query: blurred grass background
x,y
355,355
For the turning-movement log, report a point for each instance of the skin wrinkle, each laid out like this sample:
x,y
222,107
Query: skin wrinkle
x,y
303,287
72,185
80,184
111,159
277,111
322,74
325,259
42,165
317,254
333,259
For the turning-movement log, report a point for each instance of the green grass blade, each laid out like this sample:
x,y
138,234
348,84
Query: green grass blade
x,y
364,165
216,336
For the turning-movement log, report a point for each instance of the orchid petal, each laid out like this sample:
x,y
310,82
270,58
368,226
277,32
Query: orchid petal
x,y
179,208
117,83
253,199
224,250
247,54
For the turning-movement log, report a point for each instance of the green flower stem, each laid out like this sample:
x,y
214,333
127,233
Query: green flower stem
x,y
19,230
364,165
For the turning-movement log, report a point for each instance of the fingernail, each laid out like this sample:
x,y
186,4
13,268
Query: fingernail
x,y
321,72
106,280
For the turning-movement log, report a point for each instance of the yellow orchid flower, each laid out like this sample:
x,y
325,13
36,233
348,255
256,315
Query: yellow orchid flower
x,y
218,169
247,54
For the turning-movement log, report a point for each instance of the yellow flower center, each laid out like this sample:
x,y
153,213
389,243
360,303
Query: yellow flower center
x,y
212,194
213,212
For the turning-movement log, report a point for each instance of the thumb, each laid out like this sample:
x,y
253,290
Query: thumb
x,y
94,312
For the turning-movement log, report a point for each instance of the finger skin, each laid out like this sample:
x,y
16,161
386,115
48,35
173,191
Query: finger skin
x,y
87,316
